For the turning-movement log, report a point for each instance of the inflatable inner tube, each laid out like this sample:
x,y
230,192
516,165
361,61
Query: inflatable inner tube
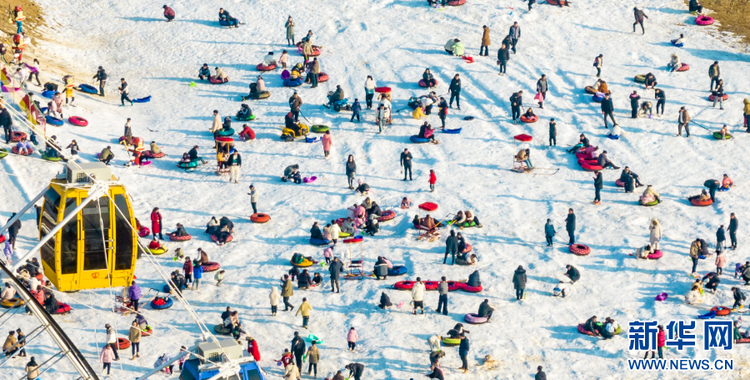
x,y
583,330
262,67
3,153
87,88
221,330
382,90
225,132
717,136
79,121
656,255
640,78
143,231
18,136
532,119
451,342
684,67
53,120
712,97
422,83
397,270
467,249
14,150
215,238
211,267
48,94
704,20
142,100
319,241
157,251
214,80
354,240
387,215
721,310
475,319
419,140
149,154
319,128
619,183
428,206
579,249
589,90
161,303
62,308
123,344
148,331
649,204
452,131
50,158
292,82
322,77
590,167
456,3
11,303
174,237
598,97
260,218
697,202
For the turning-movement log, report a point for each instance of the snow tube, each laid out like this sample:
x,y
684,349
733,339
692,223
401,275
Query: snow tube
x,y
187,165
598,97
319,128
223,138
211,266
48,94
743,340
419,140
640,78
717,136
213,80
305,263
468,248
583,331
387,215
662,297
309,179
590,167
428,206
404,285
53,120
704,20
475,319
353,240
144,231
310,140
14,150
160,303
556,2
225,132
614,137
215,239
656,255
50,158
123,344
579,249
3,153
62,308
315,51
87,88
589,90
700,203
676,44
451,342
452,131
649,204
157,251
221,330
260,95
721,310
456,3
684,67
423,84
260,218
142,100
322,77
11,303
382,90
619,183
319,241
174,237
532,119
18,136
77,120
397,270
148,331
709,315
262,67
292,82
149,154
471,289
712,97
251,117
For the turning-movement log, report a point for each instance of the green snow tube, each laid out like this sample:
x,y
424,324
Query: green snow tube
x,y
717,136
649,204
319,128
3,153
251,117
640,78
449,342
48,158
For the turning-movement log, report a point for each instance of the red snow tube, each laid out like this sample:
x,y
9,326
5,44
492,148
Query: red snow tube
x,y
428,206
591,168
147,332
721,310
81,122
213,80
467,249
557,2
404,285
149,154
656,255
123,344
704,20
585,156
382,90
2,238
262,67
700,203
456,3
260,218
211,267
743,340
15,151
387,215
357,239
143,231
18,136
215,239
322,77
522,137
583,331
712,97
619,183
223,138
315,51
579,249
62,308
532,119
423,84
470,289
174,237
684,67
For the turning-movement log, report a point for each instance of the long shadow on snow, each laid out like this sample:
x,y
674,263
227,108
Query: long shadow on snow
x,y
718,55
143,19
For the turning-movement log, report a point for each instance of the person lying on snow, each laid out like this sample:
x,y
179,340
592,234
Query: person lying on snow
x,y
428,78
291,173
457,331
304,281
674,63
644,252
385,301
154,244
204,72
245,112
227,18
529,114
372,227
426,131
463,259
726,182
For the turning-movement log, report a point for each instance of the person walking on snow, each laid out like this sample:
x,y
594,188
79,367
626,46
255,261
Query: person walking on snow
x,y
519,282
570,226
455,91
356,108
235,163
433,180
405,161
654,234
197,275
443,296
442,111
515,35
351,171
598,185
253,198
516,102
485,48
463,348
287,291
541,89
305,309
112,340
134,292
503,56
168,13
634,104
608,109
313,357
123,92
106,357
101,76
274,297
531,2
327,142
549,232
639,16
733,230
295,103
417,296
335,269
156,223
351,339
683,121
714,73
552,132
451,247
598,63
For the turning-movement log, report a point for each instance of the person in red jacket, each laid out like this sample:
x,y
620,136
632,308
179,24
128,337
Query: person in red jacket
x,y
187,267
247,133
156,223
252,348
433,179
660,343
168,13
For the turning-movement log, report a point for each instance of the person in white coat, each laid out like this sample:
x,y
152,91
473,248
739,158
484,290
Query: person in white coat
x,y
261,84
112,340
693,296
220,74
434,342
417,296
217,122
275,296
8,292
335,230
291,372
269,59
675,63
369,91
655,231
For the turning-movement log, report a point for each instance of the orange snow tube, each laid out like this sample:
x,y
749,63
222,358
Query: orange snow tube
x,y
260,218
579,249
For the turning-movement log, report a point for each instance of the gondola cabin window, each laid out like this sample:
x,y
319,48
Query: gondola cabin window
x,y
95,225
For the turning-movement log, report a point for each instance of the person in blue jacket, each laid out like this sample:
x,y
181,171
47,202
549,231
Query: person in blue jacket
x,y
197,274
463,351
356,107
549,232
204,73
135,294
226,19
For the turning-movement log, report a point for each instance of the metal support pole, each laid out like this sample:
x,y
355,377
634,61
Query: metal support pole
x,y
23,211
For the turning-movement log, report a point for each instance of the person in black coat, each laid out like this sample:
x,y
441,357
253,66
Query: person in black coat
x,y
570,226
6,121
455,91
720,238
351,171
298,349
712,186
503,56
639,16
598,185
485,310
516,102
463,352
451,247
519,281
572,273
355,370
405,161
13,230
101,76
608,109
474,280
303,280
713,281
385,301
733,230
634,104
661,99
335,269
315,232
540,375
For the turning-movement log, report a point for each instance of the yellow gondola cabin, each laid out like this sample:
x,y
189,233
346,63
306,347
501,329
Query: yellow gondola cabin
x,y
96,246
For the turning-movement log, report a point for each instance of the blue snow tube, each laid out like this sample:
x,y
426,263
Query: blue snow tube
x,y
166,289
614,137
452,131
598,98
48,94
293,82
168,302
319,241
142,100
710,315
419,140
53,120
397,270
678,45
87,88
312,139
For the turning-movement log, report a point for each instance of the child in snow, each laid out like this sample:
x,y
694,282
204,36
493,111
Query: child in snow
x,y
433,180
184,358
8,250
74,149
406,203
721,262
351,339
328,253
675,63
559,290
645,109
219,276
154,244
644,252
726,182
283,59
738,298
529,114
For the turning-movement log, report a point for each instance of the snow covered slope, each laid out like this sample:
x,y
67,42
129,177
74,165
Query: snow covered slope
x,y
394,41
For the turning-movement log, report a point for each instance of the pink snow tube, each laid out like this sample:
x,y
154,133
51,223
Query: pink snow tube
x,y
656,255
619,183
456,3
684,67
475,319
262,67
174,237
591,168
467,249
423,84
315,51
712,97
144,231
579,249
215,238
704,20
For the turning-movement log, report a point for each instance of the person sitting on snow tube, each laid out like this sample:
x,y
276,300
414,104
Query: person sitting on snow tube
x,y
704,196
223,235
374,210
315,232
212,227
372,227
385,301
193,153
459,219
348,226
726,182
363,188
592,326
24,147
610,328
291,173
337,96
181,230
650,192
290,124
529,114
724,132
426,131
185,159
626,172
244,113
644,252
226,19
679,42
428,78
615,132
485,310
650,81
427,223
204,73
155,149
51,148
220,74
226,222
674,63
472,218
304,281
269,60
154,244
474,280
458,331
603,87
247,133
